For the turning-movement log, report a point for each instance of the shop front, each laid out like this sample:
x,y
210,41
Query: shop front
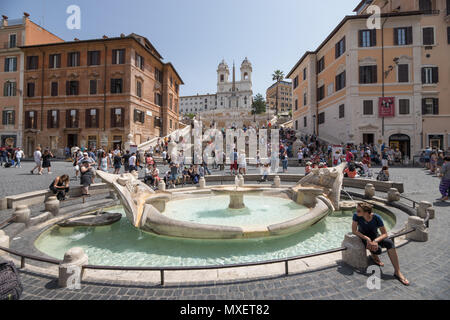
x,y
401,142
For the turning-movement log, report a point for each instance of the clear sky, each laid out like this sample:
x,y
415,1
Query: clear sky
x,y
195,35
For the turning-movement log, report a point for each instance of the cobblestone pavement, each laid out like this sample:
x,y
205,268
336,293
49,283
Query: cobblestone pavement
x,y
425,265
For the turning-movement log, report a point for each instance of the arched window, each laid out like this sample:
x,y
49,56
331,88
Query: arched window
x,y
222,78
245,100
246,76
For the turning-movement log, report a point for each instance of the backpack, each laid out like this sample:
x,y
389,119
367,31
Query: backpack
x,y
10,284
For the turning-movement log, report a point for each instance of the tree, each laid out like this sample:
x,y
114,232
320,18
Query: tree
x,y
277,76
259,104
190,115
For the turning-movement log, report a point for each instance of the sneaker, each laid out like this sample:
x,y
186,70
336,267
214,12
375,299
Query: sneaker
x,y
31,171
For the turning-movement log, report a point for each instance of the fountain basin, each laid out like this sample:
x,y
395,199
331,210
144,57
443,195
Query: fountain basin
x,y
236,195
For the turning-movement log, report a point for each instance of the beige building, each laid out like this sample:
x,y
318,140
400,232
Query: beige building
x,y
389,84
13,34
283,92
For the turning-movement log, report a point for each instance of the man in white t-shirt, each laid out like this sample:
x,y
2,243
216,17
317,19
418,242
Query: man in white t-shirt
x,y
132,162
18,155
37,155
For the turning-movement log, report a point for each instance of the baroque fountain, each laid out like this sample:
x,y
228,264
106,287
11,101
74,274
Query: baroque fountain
x,y
309,201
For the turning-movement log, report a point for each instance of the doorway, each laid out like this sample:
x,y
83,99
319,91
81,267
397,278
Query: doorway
x,y
368,138
30,146
402,142
436,141
72,140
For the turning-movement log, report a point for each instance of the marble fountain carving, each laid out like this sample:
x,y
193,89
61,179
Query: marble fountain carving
x,y
319,191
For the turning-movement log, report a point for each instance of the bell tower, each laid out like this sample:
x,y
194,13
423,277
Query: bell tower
x,y
222,73
246,70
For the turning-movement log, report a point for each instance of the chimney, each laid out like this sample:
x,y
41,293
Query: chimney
x,y
4,21
105,37
25,17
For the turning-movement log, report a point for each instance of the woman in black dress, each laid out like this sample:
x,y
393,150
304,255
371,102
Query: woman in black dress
x,y
60,186
46,160
86,177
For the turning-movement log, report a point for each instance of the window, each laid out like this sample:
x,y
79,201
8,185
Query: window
x,y
54,89
340,48
296,104
321,118
403,73
52,119
367,74
367,107
30,89
54,61
30,120
341,111
158,99
73,59
305,98
72,87
368,38
304,74
72,118
296,82
403,106
10,64
157,122
428,36
159,75
340,81
425,5
320,93
32,62
448,34
430,75
430,106
139,61
9,89
92,118
403,36
12,40
117,117
118,56
8,117
92,86
116,86
305,122
321,65
93,58
296,124
139,89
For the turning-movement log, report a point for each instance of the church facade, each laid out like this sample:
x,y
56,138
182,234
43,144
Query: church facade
x,y
231,94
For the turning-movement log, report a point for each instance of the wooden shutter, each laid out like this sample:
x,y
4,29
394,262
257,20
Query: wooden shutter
x,y
77,119
49,119
88,118
27,119
5,89
67,88
142,63
6,64
360,37
361,73
50,59
403,74
435,106
97,117
423,75
122,56
113,124
374,74
409,35
68,119
435,74
424,109
113,86
69,63
58,60
373,37
114,54
396,36
122,117
135,116
336,50
4,117
343,45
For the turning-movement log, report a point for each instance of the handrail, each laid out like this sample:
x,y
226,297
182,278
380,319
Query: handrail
x,y
187,268
413,201
4,223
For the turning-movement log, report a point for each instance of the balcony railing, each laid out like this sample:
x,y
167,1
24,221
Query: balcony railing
x,y
430,12
7,45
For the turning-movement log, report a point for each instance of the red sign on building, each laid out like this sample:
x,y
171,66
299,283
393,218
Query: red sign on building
x,y
386,107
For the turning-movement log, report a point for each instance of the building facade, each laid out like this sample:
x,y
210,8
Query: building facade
x,y
13,34
379,85
283,91
97,93
234,94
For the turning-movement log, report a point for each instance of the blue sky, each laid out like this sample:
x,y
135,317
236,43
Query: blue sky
x,y
195,35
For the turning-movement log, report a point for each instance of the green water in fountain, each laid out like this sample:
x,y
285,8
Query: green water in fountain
x,y
124,245
259,211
